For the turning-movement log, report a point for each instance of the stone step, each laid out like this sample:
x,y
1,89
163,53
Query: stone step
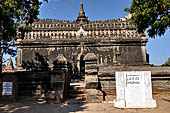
x,y
76,88
77,83
82,78
76,96
76,92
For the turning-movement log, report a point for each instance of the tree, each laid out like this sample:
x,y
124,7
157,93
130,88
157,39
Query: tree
x,y
167,63
16,17
153,15
3,66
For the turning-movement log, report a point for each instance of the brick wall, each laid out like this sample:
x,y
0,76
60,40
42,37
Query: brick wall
x,y
160,77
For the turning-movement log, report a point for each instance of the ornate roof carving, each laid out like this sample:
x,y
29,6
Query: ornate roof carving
x,y
82,27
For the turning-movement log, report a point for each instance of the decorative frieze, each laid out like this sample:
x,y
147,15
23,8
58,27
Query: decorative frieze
x,y
55,29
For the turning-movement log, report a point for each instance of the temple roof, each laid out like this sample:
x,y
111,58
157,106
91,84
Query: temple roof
x,y
81,21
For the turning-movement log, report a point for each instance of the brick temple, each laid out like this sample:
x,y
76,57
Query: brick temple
x,y
114,42
57,52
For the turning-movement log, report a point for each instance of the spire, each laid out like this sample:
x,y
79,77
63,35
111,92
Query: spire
x,y
81,12
82,17
9,67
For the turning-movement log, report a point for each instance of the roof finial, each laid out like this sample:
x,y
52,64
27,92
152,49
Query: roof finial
x,y
81,13
82,17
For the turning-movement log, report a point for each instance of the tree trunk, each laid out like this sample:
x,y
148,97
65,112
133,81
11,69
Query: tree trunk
x,y
0,61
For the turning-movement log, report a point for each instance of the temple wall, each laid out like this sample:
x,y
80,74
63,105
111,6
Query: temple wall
x,y
107,54
132,55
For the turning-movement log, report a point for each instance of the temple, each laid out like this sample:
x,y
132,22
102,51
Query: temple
x,y
56,52
114,42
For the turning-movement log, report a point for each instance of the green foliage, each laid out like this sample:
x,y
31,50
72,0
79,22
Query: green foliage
x,y
151,14
167,63
3,66
152,65
15,19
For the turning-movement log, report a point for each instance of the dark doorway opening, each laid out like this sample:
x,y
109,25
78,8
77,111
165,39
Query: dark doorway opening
x,y
82,67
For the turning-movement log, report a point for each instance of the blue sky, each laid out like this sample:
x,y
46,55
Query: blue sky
x,y
157,48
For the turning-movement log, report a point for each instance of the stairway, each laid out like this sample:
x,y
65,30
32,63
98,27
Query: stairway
x,y
77,91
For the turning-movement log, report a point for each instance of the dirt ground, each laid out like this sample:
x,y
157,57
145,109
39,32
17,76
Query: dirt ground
x,y
30,105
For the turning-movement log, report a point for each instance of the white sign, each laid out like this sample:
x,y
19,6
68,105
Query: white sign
x,y
7,88
134,90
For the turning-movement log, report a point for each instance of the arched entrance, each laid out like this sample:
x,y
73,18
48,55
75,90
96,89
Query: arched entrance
x,y
81,66
77,84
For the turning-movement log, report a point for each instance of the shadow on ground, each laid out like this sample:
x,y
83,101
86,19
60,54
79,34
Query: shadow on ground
x,y
31,105
28,105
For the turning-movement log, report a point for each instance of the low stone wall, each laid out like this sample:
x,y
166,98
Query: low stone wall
x,y
32,83
38,84
106,75
100,81
161,81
